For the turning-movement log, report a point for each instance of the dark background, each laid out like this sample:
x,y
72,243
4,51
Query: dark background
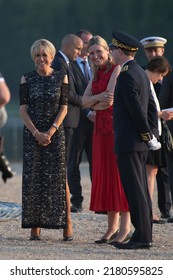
x,y
23,22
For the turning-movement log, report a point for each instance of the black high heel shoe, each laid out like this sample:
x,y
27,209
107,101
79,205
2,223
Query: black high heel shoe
x,y
66,237
126,238
5,168
104,240
35,237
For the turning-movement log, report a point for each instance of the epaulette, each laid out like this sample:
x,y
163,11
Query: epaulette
x,y
124,68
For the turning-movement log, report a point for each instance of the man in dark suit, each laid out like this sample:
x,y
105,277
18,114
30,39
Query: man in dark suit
x,y
133,137
166,101
71,47
82,137
155,46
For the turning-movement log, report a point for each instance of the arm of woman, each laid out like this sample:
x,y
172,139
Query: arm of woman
x,y
4,93
63,108
107,97
88,99
42,138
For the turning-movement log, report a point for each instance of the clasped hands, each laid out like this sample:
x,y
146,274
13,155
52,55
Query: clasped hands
x,y
43,138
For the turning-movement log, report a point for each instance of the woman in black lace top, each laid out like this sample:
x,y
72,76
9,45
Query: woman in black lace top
x,y
43,106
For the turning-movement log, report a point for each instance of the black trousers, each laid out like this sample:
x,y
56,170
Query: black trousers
x,y
163,187
81,142
68,140
170,169
132,168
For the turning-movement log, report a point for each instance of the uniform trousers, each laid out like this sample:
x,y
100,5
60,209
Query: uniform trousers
x,y
170,168
132,168
163,186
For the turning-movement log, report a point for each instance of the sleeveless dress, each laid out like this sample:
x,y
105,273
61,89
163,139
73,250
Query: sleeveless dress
x,y
107,193
44,168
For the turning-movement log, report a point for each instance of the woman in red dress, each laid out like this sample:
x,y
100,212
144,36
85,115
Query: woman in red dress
x,y
107,192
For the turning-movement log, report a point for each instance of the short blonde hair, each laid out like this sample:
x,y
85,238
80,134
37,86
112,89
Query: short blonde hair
x,y
44,44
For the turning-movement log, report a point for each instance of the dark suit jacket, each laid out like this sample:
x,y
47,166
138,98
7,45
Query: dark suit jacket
x,y
81,84
74,99
134,109
166,96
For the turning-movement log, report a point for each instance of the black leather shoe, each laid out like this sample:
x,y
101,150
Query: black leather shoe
x,y
165,215
132,245
160,221
76,209
170,220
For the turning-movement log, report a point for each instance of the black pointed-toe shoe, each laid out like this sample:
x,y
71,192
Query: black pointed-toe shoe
x,y
133,245
127,237
67,238
170,220
104,240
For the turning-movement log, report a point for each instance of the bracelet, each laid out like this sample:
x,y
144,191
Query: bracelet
x,y
35,132
56,126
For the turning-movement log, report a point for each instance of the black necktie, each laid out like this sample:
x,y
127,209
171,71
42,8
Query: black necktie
x,y
85,68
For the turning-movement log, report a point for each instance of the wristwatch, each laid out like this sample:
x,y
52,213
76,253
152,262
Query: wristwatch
x,y
56,126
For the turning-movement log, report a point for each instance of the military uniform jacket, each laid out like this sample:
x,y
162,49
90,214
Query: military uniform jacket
x,y
134,112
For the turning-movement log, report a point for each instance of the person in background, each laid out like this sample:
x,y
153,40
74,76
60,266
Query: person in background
x,y
71,46
82,137
156,69
43,107
5,96
166,102
107,193
155,46
133,136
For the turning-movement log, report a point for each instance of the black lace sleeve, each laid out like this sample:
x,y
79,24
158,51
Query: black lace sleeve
x,y
23,94
64,94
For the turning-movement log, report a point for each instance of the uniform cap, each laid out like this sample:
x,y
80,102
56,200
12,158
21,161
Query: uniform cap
x,y
125,41
153,41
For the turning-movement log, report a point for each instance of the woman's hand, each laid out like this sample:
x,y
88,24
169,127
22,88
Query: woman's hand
x,y
42,138
166,115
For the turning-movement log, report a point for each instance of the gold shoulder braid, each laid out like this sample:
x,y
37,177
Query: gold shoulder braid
x,y
124,68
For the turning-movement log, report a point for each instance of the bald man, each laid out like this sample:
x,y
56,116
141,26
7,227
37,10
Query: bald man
x,y
71,46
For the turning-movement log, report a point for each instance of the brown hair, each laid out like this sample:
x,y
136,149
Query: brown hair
x,y
159,64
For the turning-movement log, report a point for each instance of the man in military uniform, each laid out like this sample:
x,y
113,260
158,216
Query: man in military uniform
x,y
134,136
155,46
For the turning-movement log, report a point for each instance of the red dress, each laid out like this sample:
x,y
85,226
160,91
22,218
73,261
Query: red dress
x,y
107,193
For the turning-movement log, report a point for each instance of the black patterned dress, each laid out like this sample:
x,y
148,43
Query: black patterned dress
x,y
44,167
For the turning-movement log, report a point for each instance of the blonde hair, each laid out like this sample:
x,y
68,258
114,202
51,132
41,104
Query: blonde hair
x,y
98,40
44,44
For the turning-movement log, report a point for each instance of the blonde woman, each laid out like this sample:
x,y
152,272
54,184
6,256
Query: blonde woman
x,y
107,193
43,106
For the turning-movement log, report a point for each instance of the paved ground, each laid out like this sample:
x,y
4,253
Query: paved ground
x,y
15,243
